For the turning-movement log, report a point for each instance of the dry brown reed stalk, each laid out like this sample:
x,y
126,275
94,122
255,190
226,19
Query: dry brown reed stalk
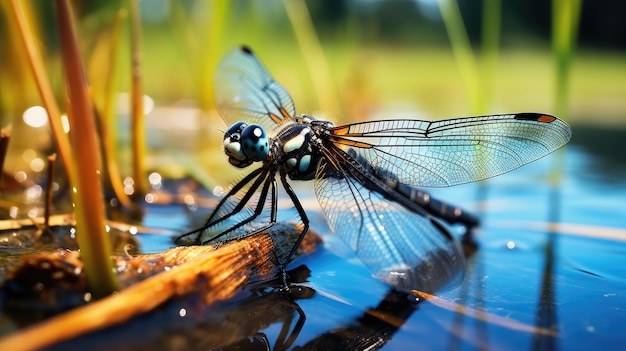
x,y
87,195
48,201
44,86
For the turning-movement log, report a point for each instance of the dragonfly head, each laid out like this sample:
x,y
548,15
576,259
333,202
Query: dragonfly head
x,y
245,143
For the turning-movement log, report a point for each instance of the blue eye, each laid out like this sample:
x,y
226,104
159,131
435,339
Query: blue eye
x,y
234,131
255,142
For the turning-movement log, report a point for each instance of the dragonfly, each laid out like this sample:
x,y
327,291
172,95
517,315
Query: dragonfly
x,y
366,174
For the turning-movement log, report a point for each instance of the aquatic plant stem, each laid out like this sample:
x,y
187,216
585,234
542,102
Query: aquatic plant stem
x,y
208,54
565,20
93,239
108,117
313,54
462,50
490,43
44,87
138,130
50,179
5,137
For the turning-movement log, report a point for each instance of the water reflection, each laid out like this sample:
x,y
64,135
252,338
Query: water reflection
x,y
546,315
606,148
232,325
241,324
370,331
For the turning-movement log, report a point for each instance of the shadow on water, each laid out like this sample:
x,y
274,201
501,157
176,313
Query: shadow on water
x,y
370,331
606,150
474,269
546,315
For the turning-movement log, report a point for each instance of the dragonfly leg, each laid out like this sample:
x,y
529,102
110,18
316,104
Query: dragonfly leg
x,y
305,223
270,182
211,221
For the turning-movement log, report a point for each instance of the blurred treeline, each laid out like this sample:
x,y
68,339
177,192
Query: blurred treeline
x,y
602,23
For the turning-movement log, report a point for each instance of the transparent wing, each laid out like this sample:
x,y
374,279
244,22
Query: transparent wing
x,y
245,91
454,151
400,247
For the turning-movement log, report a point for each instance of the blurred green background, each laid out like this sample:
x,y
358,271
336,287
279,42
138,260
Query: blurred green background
x,y
384,53
353,59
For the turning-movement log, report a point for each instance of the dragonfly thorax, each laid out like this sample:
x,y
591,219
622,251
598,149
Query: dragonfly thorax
x,y
296,150
245,143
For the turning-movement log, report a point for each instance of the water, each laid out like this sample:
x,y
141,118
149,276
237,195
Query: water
x,y
549,273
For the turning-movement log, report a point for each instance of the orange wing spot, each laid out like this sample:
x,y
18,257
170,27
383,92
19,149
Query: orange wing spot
x,y
284,112
341,130
546,119
527,116
275,118
349,142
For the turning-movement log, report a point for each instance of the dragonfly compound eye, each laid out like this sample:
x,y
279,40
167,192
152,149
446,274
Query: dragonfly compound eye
x,y
255,142
232,145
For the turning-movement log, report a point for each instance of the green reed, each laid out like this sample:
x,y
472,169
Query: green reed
x,y
477,80
565,21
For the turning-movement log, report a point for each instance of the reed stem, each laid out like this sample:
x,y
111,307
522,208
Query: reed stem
x,y
5,137
138,129
89,209
45,89
108,117
463,53
313,54
565,20
490,44
50,177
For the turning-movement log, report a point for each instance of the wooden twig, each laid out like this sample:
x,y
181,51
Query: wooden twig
x,y
217,273
485,316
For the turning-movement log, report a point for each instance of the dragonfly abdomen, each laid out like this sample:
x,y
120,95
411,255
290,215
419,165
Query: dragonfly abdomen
x,y
449,213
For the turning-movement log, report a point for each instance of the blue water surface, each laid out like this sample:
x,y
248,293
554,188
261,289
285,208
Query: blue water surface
x,y
549,272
